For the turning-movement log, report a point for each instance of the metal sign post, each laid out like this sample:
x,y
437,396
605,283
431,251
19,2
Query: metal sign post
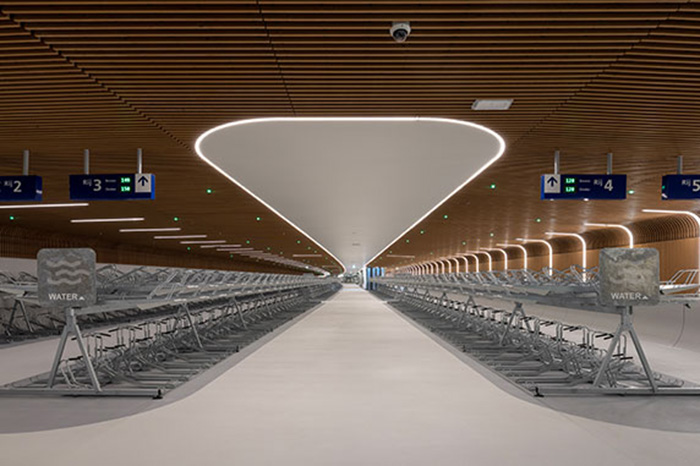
x,y
112,186
21,188
628,277
67,279
597,186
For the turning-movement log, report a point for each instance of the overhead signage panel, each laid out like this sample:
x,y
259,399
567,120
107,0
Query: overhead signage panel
x,y
680,187
20,188
559,186
112,187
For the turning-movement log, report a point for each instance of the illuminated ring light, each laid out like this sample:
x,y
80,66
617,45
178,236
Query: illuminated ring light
x,y
203,136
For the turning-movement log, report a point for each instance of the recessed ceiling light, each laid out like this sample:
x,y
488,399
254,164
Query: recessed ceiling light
x,y
492,104
179,236
212,241
107,220
146,230
44,206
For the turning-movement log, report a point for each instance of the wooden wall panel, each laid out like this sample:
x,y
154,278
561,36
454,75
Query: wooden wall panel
x,y
587,78
25,243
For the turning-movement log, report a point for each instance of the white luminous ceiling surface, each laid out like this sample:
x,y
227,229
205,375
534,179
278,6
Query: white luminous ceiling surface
x,y
352,184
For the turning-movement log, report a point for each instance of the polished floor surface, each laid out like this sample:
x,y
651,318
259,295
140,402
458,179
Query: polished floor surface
x,y
352,383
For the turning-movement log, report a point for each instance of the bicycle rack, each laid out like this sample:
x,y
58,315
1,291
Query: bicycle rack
x,y
545,357
152,329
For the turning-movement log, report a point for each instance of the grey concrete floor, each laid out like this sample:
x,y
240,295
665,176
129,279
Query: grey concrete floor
x,y
353,383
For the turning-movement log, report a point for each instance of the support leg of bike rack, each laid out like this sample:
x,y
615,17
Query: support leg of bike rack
x,y
71,327
626,326
517,310
190,321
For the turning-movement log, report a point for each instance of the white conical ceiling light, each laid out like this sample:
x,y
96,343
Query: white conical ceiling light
x,y
353,185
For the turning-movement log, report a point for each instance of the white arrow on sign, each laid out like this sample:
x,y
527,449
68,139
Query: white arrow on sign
x,y
143,183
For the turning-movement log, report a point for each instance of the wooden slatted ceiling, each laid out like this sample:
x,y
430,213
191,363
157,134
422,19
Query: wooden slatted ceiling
x,y
588,77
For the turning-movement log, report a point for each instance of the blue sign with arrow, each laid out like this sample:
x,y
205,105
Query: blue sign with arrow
x,y
20,188
119,187
556,186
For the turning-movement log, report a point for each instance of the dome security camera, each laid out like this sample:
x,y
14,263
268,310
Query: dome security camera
x,y
400,31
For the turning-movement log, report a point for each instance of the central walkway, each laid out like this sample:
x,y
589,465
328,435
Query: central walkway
x,y
352,383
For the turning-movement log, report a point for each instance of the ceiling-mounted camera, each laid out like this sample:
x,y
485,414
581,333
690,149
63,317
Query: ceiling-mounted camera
x,y
400,30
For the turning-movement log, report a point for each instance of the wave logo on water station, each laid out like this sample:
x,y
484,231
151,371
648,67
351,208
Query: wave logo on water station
x,y
67,277
66,272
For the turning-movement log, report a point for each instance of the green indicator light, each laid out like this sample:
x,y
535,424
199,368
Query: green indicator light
x,y
247,241
269,248
569,189
538,220
126,189
663,187
464,243
631,191
257,219
209,190
492,186
445,216
125,179
298,241
408,240
176,219
189,248
12,217
431,253
230,256
422,232
569,180
491,235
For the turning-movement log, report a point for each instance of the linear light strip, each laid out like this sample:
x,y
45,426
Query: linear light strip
x,y
44,206
107,220
206,246
583,247
147,230
213,241
198,150
630,236
179,236
690,214
501,150
549,248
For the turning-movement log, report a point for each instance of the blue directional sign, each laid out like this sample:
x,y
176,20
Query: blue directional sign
x,y
680,187
20,188
583,186
119,187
